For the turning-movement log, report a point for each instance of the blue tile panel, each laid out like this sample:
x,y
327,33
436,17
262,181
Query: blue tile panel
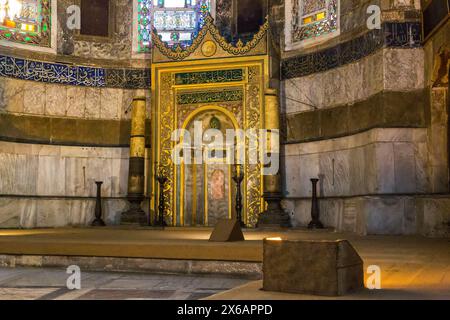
x,y
59,73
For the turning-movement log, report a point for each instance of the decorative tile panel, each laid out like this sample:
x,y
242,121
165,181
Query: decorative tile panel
x,y
59,73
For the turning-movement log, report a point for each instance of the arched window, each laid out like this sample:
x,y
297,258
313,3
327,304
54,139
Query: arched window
x,y
177,21
26,21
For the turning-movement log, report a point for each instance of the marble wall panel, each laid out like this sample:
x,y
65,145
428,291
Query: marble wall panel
x,y
93,103
358,178
386,215
330,212
80,212
25,174
11,95
302,94
435,217
423,176
34,98
405,168
50,213
39,170
349,216
291,174
335,173
309,169
404,69
14,213
99,169
18,174
385,162
51,176
119,185
410,219
370,168
76,179
387,69
110,105
374,162
55,100
76,102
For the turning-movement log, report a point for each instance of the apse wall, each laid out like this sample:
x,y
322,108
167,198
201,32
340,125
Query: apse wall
x,y
64,123
357,115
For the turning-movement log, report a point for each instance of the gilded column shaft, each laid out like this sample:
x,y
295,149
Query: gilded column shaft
x,y
136,181
272,125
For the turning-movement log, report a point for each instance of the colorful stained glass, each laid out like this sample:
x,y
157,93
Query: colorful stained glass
x,y
26,21
177,21
311,6
314,18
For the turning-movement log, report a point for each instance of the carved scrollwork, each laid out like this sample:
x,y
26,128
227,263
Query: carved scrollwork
x,y
178,53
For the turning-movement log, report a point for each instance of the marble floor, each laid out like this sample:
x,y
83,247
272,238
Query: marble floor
x,y
50,284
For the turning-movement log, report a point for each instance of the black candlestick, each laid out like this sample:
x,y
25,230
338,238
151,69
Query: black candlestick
x,y
162,182
315,213
238,178
98,222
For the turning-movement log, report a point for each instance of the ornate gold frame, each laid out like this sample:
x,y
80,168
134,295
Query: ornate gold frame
x,y
208,53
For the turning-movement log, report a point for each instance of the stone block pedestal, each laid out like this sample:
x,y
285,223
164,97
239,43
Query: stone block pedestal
x,y
325,268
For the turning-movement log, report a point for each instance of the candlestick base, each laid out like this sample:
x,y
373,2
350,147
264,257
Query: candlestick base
x,y
316,225
98,223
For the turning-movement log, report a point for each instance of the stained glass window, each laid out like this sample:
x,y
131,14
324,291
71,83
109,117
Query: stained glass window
x,y
26,21
177,21
314,18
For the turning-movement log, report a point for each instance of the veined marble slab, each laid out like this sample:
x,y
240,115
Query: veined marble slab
x,y
50,213
384,215
379,161
44,170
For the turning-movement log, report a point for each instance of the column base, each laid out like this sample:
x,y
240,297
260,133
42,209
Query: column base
x,y
275,216
135,215
98,223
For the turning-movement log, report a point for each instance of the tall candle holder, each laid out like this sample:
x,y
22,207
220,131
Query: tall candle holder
x,y
315,212
98,221
162,180
238,178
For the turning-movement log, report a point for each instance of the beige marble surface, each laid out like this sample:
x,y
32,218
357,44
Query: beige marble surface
x,y
379,161
377,215
53,100
52,212
43,170
387,69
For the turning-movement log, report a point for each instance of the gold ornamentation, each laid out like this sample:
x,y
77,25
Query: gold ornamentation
x,y
209,96
253,172
173,79
166,129
178,54
209,48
